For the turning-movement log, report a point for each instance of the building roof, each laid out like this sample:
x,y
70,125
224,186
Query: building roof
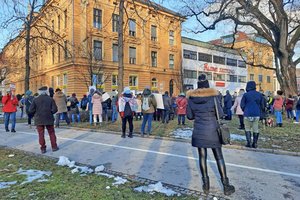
x,y
190,41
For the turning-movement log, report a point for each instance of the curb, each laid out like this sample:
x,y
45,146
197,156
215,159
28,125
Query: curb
x,y
134,178
237,147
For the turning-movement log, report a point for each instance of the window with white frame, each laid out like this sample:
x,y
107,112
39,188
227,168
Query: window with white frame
x,y
115,22
171,61
132,55
171,38
232,78
153,58
219,77
251,77
242,79
115,53
65,79
97,18
154,83
260,78
268,79
114,80
189,54
132,27
153,33
133,80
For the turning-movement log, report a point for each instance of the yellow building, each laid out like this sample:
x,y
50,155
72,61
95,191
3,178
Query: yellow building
x,y
81,47
258,52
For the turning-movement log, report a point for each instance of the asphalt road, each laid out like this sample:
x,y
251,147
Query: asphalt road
x,y
255,175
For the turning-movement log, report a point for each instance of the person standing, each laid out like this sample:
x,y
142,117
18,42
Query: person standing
x,y
105,109
289,107
148,108
90,105
10,103
114,115
28,101
237,106
127,107
84,102
43,108
201,109
228,105
297,110
252,104
61,102
278,106
181,103
138,114
167,106
97,107
21,105
74,110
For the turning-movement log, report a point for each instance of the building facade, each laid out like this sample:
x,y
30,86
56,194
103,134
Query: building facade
x,y
223,66
84,47
257,52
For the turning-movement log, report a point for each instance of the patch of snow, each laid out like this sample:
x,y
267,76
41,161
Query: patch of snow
x,y
215,198
64,161
106,175
119,181
33,175
107,187
158,187
11,155
182,133
82,170
6,184
99,168
237,137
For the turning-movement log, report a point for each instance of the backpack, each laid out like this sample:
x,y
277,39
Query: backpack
x,y
145,105
84,102
127,110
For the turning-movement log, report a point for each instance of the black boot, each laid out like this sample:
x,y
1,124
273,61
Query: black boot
x,y
228,189
123,135
280,124
255,139
248,138
6,129
205,185
130,135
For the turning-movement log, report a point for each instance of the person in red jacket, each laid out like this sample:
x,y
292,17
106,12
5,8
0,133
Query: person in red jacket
x,y
181,103
10,103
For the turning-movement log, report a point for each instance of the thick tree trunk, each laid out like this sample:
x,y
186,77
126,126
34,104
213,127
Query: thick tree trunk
x,y
27,58
288,79
121,48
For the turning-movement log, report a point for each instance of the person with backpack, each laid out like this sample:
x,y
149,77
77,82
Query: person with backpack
x,y
84,102
74,108
127,107
148,108
28,101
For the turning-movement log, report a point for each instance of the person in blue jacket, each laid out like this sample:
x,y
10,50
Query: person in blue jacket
x,y
90,105
228,105
252,104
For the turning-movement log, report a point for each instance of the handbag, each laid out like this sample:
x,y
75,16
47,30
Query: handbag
x,y
223,129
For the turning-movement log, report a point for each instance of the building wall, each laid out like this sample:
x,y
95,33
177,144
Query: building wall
x,y
72,74
214,68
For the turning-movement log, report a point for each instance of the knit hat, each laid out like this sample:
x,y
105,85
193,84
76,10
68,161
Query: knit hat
x,y
182,94
44,88
28,93
126,90
202,81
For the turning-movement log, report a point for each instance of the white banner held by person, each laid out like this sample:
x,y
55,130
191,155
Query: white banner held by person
x,y
159,100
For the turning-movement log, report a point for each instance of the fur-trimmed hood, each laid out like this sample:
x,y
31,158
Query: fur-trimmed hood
x,y
202,92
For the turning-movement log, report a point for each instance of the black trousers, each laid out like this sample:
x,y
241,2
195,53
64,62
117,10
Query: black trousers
x,y
241,118
124,121
219,159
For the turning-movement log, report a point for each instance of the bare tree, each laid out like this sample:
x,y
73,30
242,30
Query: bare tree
x,y
29,24
277,21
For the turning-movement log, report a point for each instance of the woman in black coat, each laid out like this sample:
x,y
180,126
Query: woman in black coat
x,y
201,109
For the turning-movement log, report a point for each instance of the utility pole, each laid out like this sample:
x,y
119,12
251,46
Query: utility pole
x,y
121,48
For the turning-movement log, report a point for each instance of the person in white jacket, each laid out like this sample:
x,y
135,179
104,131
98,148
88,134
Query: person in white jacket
x,y
238,110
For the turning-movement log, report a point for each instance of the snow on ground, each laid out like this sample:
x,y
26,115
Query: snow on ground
x,y
34,175
6,184
158,187
99,169
105,174
64,161
119,181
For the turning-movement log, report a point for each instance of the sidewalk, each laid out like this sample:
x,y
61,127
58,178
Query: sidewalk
x,y
255,175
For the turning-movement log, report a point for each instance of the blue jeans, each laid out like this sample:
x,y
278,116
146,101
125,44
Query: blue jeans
x,y
7,117
63,116
114,115
73,118
181,118
290,114
91,116
297,115
147,117
229,115
166,114
278,115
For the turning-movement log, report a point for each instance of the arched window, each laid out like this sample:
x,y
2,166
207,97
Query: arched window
x,y
154,83
171,86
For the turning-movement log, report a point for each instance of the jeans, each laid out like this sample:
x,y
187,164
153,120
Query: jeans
x,y
105,114
91,116
58,117
124,120
7,117
73,117
51,133
22,112
29,118
297,115
278,115
147,117
114,115
181,118
229,115
290,114
166,114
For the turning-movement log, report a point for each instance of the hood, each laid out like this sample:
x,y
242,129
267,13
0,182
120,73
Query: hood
x,y
59,94
147,92
96,96
201,95
28,93
251,85
241,93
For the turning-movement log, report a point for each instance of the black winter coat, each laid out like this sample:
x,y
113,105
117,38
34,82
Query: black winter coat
x,y
43,108
201,108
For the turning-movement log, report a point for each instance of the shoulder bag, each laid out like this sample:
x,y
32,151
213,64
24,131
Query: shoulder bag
x,y
223,129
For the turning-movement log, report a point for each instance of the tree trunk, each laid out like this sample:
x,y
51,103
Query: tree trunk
x,y
27,57
121,48
288,82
